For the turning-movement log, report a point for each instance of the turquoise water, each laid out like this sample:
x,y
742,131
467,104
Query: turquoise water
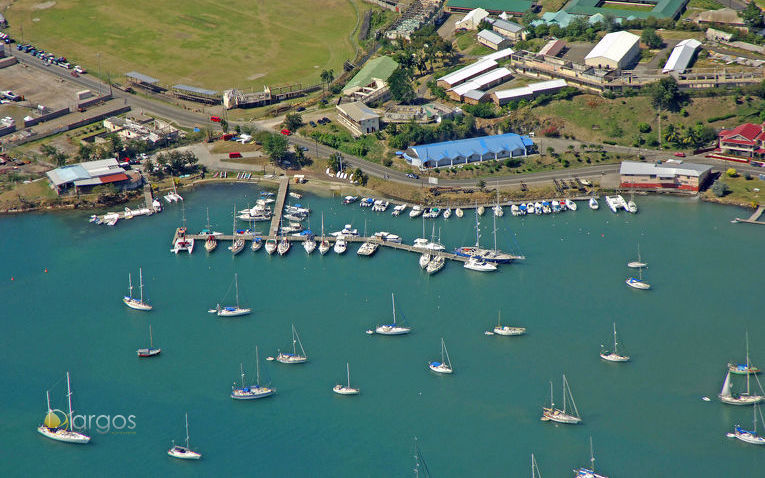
x,y
646,417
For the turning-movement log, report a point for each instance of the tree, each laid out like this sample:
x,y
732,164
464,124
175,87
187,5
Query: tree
x,y
293,121
115,144
651,38
720,189
224,125
59,158
644,127
400,87
665,95
276,147
85,152
481,184
48,150
327,76
752,15
334,162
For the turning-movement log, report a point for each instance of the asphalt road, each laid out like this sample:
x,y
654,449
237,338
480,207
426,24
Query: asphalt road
x,y
189,118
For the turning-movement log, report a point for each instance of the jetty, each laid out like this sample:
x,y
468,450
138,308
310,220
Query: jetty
x,y
281,196
754,218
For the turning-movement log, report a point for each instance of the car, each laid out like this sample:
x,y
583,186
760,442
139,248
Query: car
x,y
326,120
303,148
215,119
312,123
234,155
286,132
79,69
301,108
412,176
680,154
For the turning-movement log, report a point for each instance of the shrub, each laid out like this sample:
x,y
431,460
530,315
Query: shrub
x,y
644,127
387,162
731,173
720,189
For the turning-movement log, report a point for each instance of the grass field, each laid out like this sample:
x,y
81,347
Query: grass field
x,y
204,43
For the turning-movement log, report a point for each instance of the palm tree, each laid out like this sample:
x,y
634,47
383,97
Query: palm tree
x,y
328,76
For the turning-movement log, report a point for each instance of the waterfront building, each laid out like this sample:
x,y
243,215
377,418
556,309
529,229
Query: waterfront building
x,y
464,151
358,117
744,142
670,174
86,175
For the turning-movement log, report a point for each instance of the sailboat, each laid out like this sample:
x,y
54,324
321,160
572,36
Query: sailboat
x,y
436,264
324,246
230,311
565,415
638,263
129,300
394,328
284,246
638,283
293,357
445,365
507,330
743,368
497,208
614,355
425,259
52,426
589,472
257,243
751,436
251,392
594,204
746,398
184,452
151,351
237,243
341,389
458,212
486,255
309,244
211,243
368,247
535,468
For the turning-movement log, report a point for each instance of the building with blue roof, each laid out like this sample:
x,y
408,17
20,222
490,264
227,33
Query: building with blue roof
x,y
471,150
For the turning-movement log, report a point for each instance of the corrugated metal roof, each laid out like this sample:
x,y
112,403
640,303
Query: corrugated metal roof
x,y
482,81
552,48
464,73
195,90
547,85
358,111
491,37
664,169
470,146
508,26
515,6
681,56
67,174
499,55
381,67
614,46
475,95
141,77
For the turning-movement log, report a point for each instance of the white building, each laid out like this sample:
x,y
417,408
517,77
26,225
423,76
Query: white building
x,y
502,97
491,39
466,73
358,117
479,84
615,51
472,20
681,56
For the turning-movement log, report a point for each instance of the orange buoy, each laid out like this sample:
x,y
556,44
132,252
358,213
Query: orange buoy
x,y
46,269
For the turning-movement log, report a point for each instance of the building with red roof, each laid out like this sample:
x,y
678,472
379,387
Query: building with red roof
x,y
746,141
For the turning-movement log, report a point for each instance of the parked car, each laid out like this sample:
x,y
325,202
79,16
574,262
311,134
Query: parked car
x,y
286,132
301,108
303,148
326,120
215,119
234,155
412,176
312,123
680,154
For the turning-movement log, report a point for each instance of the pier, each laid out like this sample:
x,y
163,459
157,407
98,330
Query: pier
x,y
148,198
281,196
754,218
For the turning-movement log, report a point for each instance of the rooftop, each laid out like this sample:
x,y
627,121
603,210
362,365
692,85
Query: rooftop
x,y
491,37
669,168
681,56
357,111
468,71
141,77
195,90
513,6
381,67
499,54
614,46
467,147
509,26
662,9
482,81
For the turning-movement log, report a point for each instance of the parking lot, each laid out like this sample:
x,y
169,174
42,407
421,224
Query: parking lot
x,y
37,88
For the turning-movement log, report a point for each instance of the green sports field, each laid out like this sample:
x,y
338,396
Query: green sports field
x,y
205,43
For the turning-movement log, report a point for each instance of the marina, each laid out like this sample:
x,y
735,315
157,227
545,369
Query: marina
x,y
341,297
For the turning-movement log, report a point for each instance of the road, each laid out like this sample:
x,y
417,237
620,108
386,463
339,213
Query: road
x,y
187,118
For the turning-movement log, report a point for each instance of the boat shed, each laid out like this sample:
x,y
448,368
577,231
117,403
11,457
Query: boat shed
x,y
86,174
463,151
682,56
670,174
615,51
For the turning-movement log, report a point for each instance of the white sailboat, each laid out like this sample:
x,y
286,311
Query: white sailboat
x,y
638,263
743,368
257,243
283,247
129,300
425,259
505,329
448,213
745,398
211,242
751,436
231,311
445,365
394,328
458,212
475,264
184,452
324,245
638,283
293,357
480,210
151,350
251,392
565,415
237,242
341,389
594,204
436,264
53,427
613,355
588,472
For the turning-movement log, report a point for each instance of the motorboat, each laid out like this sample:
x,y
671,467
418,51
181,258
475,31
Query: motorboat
x,y
156,205
447,213
498,211
475,264
515,210
530,208
425,259
458,212
556,207
283,247
570,204
346,231
341,245
394,328
380,205
416,211
398,209
432,213
184,452
594,204
368,249
350,199
367,202
422,243
480,210
445,365
257,243
271,246
387,237
436,264
632,207
522,209
546,209
295,195
346,389
537,208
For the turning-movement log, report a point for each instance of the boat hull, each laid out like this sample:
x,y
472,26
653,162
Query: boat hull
x,y
392,330
343,390
252,393
484,254
742,369
439,367
559,416
614,357
149,352
183,453
136,304
748,437
291,359
742,399
65,436
509,330
237,312
637,284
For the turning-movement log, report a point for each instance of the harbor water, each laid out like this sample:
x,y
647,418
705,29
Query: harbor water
x,y
63,280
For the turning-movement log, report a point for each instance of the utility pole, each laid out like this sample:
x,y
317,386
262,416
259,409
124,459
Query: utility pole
x,y
98,55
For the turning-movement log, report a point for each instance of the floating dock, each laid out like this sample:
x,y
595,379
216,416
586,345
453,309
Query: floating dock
x,y
754,218
281,196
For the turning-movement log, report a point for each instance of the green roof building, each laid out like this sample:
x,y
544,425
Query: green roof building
x,y
495,7
661,9
379,68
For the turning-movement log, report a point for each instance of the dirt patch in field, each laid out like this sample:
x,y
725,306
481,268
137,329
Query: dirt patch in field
x,y
43,5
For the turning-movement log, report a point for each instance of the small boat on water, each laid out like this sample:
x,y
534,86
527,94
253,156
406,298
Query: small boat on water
x,y
398,209
745,398
535,473
594,204
515,210
51,426
425,259
638,283
283,247
507,330
156,205
538,208
562,415
368,248
426,244
295,195
436,264
380,205
743,368
445,365
341,245
350,199
416,211
211,243
556,206
480,210
271,246
498,212
387,237
184,452
151,350
294,357
546,208
129,300
447,213
571,205
638,263
231,311
475,264
458,212
251,392
324,246
257,243
614,355
309,245
394,328
751,436
348,230
588,472
346,389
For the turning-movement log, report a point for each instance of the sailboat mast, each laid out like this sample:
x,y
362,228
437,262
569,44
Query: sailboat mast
x,y
552,402
393,300
151,339
236,286
187,430
69,399
477,228
47,398
348,372
208,218
564,394
614,337
140,278
130,284
241,371
592,456
495,232
294,350
257,366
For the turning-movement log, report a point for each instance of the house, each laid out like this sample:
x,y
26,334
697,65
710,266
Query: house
x,y
682,56
464,151
530,91
466,73
492,40
154,132
370,83
561,18
552,48
744,141
358,117
84,176
473,91
471,20
510,30
614,51
670,174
